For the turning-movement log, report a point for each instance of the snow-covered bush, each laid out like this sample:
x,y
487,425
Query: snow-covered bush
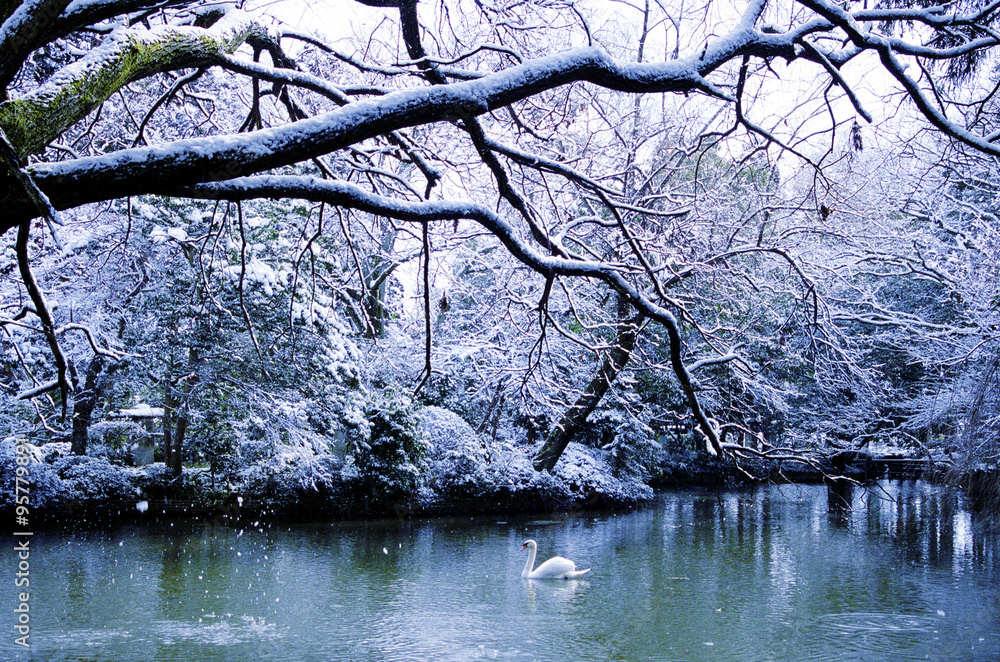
x,y
94,479
524,488
115,440
586,472
458,458
467,468
385,450
54,450
291,471
634,451
45,488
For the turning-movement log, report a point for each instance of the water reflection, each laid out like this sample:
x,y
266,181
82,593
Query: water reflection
x,y
902,571
545,591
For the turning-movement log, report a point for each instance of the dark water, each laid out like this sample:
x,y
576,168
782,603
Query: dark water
x,y
903,572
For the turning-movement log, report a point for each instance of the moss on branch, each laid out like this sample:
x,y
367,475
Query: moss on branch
x,y
33,121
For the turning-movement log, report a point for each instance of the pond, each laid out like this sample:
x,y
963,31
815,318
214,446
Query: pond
x,y
784,572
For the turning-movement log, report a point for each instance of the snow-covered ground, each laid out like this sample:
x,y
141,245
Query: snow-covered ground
x,y
463,471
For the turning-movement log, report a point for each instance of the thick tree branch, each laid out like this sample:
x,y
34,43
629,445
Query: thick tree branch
x,y
129,54
44,315
184,162
26,28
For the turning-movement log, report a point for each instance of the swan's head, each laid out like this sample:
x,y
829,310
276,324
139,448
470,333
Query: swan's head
x,y
529,543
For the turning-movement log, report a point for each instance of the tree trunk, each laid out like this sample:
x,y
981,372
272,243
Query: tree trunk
x,y
376,311
175,423
83,406
169,404
576,416
175,410
176,458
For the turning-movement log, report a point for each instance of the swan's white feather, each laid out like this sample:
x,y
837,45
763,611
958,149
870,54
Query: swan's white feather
x,y
555,568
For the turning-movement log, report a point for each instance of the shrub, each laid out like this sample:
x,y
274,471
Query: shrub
x,y
459,463
46,489
385,450
94,479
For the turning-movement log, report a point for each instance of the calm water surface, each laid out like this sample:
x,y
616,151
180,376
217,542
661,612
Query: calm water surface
x,y
777,573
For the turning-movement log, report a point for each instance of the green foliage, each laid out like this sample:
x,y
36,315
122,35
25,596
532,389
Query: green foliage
x,y
385,447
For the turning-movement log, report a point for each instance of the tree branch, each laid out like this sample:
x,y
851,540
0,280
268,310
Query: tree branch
x,y
138,170
128,54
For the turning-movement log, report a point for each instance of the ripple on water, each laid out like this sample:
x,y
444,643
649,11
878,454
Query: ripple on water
x,y
881,622
211,632
226,632
878,632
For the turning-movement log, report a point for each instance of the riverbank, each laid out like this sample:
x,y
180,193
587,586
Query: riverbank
x,y
460,474
165,498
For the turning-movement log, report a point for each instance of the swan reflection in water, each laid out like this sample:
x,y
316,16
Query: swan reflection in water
x,y
548,596
544,593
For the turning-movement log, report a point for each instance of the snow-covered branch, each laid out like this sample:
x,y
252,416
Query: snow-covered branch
x,y
131,171
128,54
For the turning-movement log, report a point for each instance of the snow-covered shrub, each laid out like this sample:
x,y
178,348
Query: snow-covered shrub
x,y
385,450
446,432
45,489
634,451
582,478
269,483
157,473
459,390
291,471
54,450
524,485
95,479
115,440
586,472
458,457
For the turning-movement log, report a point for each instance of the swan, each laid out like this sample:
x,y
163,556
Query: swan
x,y
555,568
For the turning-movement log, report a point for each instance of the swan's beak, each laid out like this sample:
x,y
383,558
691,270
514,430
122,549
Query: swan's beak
x,y
524,547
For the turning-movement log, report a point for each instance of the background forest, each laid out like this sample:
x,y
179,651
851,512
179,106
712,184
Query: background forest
x,y
388,253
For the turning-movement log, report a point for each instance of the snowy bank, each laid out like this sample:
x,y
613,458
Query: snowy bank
x,y
461,472
467,471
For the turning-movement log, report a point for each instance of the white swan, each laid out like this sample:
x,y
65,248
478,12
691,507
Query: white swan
x,y
555,568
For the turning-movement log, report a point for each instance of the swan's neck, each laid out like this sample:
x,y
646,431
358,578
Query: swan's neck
x,y
530,563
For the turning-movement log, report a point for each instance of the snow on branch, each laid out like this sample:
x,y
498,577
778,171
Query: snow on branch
x,y
94,345
27,27
33,121
128,54
184,162
38,390
347,195
890,50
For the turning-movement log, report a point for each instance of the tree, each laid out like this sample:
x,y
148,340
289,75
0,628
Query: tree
x,y
464,129
950,344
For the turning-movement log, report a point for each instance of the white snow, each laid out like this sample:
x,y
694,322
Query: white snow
x,y
161,235
142,410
